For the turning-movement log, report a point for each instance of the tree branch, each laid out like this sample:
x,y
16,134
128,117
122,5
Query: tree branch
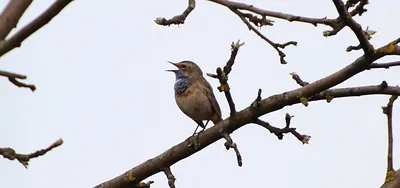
x,y
384,65
390,173
230,144
357,29
10,153
222,75
276,46
25,32
12,77
288,17
10,16
211,135
170,176
179,19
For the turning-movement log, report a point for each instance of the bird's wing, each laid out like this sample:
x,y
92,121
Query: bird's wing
x,y
208,91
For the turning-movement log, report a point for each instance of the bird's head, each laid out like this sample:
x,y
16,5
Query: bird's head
x,y
186,69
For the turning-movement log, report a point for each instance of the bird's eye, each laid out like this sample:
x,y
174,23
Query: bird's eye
x,y
183,66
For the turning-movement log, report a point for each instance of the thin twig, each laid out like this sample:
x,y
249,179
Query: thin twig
x,y
356,27
276,46
298,80
179,19
230,144
288,17
384,65
12,77
390,173
10,153
170,176
280,132
25,32
256,102
222,75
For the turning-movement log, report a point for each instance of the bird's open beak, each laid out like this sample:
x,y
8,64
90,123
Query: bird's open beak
x,y
172,64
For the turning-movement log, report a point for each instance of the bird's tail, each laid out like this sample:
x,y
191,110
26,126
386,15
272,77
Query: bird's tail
x,y
216,119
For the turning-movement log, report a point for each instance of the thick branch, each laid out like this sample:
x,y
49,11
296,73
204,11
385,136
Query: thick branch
x,y
10,153
241,118
25,32
10,16
179,19
12,77
211,135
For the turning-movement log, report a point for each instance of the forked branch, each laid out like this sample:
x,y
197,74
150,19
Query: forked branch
x,y
10,153
179,19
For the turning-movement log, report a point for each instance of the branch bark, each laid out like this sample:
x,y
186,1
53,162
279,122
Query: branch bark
x,y
10,16
25,32
10,153
12,77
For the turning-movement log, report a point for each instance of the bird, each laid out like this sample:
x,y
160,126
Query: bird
x,y
194,95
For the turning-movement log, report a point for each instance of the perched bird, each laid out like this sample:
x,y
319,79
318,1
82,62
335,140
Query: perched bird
x,y
194,95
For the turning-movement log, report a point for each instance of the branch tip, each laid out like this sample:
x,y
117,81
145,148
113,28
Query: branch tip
x,y
170,176
178,19
230,144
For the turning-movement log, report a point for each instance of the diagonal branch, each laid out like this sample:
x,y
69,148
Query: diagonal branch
x,y
211,135
10,153
276,46
356,27
10,16
12,77
25,32
179,19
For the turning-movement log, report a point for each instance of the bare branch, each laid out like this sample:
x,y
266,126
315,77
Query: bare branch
x,y
11,14
170,176
298,80
222,75
276,46
25,32
12,77
356,27
10,153
288,17
390,173
256,102
230,144
280,132
179,19
384,65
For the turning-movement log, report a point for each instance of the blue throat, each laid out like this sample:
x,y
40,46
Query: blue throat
x,y
182,82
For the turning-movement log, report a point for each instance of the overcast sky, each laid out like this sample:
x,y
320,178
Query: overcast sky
x,y
99,69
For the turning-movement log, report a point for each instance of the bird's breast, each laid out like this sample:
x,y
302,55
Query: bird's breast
x,y
181,85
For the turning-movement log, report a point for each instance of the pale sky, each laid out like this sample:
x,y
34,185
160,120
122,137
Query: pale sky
x,y
101,87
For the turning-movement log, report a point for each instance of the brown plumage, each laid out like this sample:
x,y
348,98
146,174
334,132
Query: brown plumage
x,y
194,95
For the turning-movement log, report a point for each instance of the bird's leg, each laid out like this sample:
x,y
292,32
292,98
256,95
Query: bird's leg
x,y
194,133
200,124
